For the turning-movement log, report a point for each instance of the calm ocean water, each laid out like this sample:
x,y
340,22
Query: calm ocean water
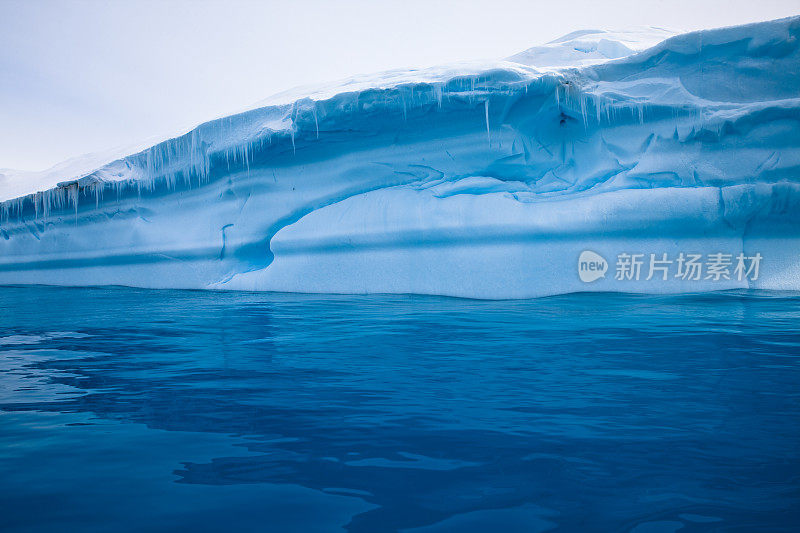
x,y
134,410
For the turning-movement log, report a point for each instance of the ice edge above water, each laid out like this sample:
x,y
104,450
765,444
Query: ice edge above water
x,y
482,183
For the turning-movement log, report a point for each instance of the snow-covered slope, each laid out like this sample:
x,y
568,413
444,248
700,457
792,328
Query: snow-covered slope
x,y
488,181
591,47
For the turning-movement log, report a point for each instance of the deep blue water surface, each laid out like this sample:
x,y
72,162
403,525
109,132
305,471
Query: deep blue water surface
x,y
132,410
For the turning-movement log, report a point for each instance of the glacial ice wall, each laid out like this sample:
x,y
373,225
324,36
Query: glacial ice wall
x,y
485,182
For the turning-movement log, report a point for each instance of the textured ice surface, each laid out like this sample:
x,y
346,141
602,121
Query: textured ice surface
x,y
470,180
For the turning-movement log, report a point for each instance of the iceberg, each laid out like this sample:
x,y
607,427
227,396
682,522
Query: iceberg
x,y
482,180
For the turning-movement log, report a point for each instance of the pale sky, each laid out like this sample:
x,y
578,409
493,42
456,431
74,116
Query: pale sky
x,y
86,76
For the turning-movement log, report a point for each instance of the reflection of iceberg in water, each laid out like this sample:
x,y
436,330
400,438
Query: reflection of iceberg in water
x,y
481,181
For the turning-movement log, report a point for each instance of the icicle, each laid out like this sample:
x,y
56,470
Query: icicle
x,y
486,109
437,92
246,157
73,195
98,192
597,106
583,111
